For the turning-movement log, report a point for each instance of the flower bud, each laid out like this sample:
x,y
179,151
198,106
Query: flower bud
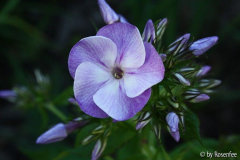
x,y
200,98
143,120
180,44
98,149
59,132
149,32
181,79
187,71
157,130
173,102
161,26
202,45
73,101
7,94
206,83
108,14
54,134
203,71
122,19
172,121
191,93
163,56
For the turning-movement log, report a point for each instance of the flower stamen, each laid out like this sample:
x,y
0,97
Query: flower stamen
x,y
117,73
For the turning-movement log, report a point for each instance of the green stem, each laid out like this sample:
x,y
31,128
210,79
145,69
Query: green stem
x,y
56,111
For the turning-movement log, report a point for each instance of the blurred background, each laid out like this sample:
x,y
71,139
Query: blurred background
x,y
38,34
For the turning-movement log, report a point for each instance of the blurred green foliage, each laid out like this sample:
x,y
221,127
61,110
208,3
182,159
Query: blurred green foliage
x,y
39,34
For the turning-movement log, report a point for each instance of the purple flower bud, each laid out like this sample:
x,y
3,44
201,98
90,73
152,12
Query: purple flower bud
x,y
202,45
163,56
123,19
207,83
203,71
73,101
180,44
108,14
161,26
149,32
200,98
59,132
7,94
215,83
54,134
162,23
172,121
182,80
143,120
98,149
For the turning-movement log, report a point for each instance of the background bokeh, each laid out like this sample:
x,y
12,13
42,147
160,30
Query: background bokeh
x,y
36,34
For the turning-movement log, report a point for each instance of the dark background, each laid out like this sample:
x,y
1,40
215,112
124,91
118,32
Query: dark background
x,y
38,34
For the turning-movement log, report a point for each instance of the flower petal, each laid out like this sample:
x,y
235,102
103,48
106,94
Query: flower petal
x,y
96,49
136,81
111,98
89,78
131,52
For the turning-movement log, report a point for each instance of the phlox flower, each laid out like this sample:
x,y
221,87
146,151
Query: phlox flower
x,y
114,71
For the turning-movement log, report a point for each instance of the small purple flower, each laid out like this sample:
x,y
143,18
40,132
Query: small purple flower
x,y
7,94
59,132
108,14
172,121
149,32
203,71
200,98
113,72
202,45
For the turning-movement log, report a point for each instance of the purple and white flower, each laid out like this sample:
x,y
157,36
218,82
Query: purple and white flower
x,y
114,71
172,121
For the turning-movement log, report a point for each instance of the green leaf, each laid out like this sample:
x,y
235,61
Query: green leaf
x,y
192,127
119,137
